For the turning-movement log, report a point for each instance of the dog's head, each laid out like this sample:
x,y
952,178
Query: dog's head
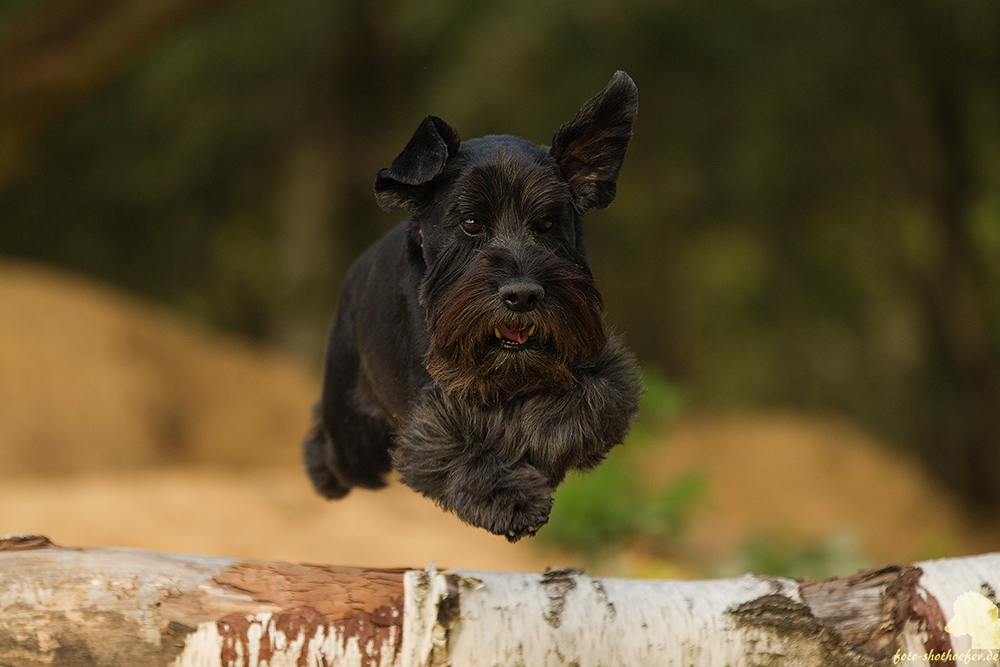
x,y
496,229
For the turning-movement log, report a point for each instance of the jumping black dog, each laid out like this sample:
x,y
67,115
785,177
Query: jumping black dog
x,y
469,350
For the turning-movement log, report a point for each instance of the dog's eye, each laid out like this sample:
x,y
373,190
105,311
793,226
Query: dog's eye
x,y
471,227
545,224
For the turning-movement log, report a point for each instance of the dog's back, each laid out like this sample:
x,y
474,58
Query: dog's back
x,y
377,334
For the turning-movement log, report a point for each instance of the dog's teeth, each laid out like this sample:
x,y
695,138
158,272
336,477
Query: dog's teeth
x,y
496,332
531,330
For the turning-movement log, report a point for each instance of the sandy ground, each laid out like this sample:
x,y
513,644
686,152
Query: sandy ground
x,y
121,426
807,478
264,514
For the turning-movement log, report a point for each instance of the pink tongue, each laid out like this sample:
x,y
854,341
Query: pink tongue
x,y
513,334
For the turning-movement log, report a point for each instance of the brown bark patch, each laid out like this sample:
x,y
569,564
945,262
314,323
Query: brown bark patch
x,y
352,603
24,542
926,612
337,593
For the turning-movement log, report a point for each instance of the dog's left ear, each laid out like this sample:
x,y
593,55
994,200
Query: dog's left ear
x,y
590,148
404,183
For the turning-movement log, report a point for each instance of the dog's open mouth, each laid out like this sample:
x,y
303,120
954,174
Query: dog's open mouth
x,y
513,336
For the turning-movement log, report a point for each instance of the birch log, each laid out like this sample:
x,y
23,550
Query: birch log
x,y
61,606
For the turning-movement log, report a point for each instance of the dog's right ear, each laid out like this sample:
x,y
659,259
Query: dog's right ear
x,y
404,184
590,148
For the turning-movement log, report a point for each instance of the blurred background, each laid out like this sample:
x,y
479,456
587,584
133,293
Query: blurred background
x,y
804,254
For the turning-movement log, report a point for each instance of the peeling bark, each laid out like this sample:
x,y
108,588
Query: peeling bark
x,y
62,606
80,607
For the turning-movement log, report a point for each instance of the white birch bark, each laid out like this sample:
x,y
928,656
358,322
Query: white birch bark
x,y
122,607
565,618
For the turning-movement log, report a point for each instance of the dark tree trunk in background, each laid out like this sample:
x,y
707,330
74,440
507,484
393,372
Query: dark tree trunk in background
x,y
371,87
963,360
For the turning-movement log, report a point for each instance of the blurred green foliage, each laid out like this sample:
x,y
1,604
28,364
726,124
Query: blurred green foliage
x,y
809,213
598,512
836,556
662,401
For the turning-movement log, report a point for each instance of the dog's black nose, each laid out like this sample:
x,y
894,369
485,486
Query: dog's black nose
x,y
521,295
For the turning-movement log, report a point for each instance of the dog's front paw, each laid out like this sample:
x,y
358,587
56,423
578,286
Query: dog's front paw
x,y
517,514
467,459
515,505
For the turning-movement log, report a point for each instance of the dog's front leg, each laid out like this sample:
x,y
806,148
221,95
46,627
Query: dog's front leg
x,y
577,428
461,456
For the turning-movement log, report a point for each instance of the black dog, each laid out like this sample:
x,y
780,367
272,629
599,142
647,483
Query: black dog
x,y
469,351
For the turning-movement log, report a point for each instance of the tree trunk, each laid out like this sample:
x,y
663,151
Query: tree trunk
x,y
963,358
62,606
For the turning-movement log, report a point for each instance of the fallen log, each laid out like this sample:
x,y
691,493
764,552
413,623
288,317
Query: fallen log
x,y
79,607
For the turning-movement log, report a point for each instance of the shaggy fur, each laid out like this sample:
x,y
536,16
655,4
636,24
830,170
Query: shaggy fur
x,y
469,351
496,465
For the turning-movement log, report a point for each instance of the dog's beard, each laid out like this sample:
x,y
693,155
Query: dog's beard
x,y
483,352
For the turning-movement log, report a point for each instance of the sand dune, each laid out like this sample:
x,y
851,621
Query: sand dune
x,y
121,425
